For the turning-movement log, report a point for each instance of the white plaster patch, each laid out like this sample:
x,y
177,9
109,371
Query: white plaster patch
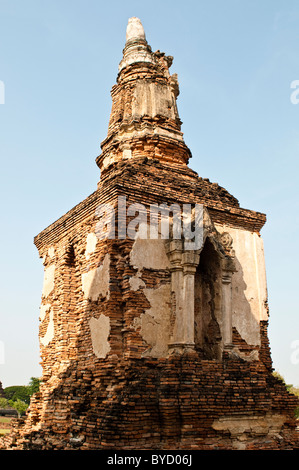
x,y
91,242
154,323
148,253
48,285
51,252
249,286
95,283
43,310
239,425
45,340
100,330
127,153
136,282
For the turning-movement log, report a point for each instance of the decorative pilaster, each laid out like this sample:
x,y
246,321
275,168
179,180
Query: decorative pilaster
x,y
228,267
190,262
227,309
175,251
183,267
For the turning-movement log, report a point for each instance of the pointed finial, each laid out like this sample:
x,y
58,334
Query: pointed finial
x,y
136,47
134,29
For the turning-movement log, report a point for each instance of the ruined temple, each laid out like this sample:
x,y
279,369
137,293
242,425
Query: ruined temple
x,y
154,315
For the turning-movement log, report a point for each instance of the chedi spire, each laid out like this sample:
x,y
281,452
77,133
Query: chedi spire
x,y
136,47
134,29
144,118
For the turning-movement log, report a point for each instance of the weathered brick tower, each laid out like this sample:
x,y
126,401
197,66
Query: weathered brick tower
x,y
152,339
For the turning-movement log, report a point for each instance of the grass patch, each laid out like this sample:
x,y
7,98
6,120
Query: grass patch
x,y
5,425
5,419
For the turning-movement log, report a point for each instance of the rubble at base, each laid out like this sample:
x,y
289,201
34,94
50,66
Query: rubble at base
x,y
179,403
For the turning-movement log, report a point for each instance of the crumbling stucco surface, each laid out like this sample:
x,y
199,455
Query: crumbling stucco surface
x,y
51,251
151,99
136,282
91,241
249,286
95,283
43,310
100,330
154,323
48,285
49,335
149,254
242,428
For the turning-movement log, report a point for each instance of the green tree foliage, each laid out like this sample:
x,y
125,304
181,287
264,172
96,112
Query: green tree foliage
x,y
295,391
18,405
17,392
18,396
22,392
33,386
290,388
3,403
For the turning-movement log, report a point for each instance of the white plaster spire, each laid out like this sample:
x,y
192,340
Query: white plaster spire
x,y
135,29
136,48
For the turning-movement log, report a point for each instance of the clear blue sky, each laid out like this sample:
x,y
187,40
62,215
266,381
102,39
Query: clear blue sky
x,y
58,60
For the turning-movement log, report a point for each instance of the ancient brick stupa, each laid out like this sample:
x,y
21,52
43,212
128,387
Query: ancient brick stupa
x,y
153,320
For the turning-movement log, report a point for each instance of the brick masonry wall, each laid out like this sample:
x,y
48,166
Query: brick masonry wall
x,y
127,401
102,386
176,403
